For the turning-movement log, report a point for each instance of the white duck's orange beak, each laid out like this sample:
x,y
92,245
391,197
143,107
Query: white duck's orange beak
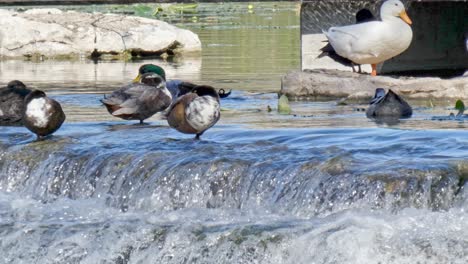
x,y
405,17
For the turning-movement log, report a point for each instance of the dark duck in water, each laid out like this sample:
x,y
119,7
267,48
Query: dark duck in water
x,y
42,115
388,105
12,103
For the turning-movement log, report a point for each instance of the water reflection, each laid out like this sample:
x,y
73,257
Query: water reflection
x,y
87,76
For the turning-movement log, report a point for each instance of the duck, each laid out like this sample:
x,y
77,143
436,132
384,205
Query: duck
x,y
195,112
374,42
12,103
139,100
363,15
176,87
42,115
388,104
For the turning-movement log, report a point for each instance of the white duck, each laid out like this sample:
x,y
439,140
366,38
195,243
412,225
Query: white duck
x,y
375,41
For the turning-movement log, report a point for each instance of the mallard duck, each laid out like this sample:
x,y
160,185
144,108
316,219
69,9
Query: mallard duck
x,y
363,15
42,115
195,112
139,101
12,103
388,105
176,87
375,41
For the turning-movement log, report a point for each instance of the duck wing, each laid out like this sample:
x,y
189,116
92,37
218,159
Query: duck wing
x,y
186,87
119,96
328,50
357,41
179,88
176,116
124,100
140,99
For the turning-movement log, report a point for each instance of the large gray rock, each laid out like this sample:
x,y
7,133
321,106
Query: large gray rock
x,y
326,83
54,33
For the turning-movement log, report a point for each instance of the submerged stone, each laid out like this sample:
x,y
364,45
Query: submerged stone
x,y
283,105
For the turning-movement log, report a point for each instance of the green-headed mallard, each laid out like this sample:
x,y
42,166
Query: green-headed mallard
x,y
12,103
176,87
195,112
140,100
375,41
388,105
42,115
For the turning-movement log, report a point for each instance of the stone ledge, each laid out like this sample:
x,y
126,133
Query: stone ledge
x,y
321,84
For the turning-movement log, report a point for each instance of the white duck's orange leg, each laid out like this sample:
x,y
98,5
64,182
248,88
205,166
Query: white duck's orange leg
x,y
374,69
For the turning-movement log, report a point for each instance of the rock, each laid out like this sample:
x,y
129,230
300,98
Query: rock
x,y
54,33
327,83
283,105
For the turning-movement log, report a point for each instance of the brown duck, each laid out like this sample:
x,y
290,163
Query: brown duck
x,y
42,115
195,112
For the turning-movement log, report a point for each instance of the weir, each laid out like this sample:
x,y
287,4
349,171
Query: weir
x,y
276,197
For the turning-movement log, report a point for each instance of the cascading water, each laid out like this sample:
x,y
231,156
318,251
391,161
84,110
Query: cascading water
x,y
129,194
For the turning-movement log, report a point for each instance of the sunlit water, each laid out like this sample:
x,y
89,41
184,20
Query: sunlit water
x,y
322,185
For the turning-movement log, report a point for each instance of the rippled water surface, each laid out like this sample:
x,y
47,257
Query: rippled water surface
x,y
322,185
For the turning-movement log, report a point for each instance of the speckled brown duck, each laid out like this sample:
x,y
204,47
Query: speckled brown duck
x,y
42,115
195,112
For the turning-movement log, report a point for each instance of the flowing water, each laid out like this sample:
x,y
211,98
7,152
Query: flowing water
x,y
322,185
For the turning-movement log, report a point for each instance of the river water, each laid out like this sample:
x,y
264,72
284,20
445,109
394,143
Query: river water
x,y
322,185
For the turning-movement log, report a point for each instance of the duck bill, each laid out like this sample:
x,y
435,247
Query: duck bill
x,y
405,17
137,79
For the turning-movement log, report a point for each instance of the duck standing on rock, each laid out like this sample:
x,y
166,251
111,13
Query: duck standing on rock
x,y
363,15
42,115
141,99
388,105
195,112
12,103
374,42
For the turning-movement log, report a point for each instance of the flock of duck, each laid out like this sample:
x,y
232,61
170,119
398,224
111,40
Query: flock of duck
x,y
189,108
193,109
